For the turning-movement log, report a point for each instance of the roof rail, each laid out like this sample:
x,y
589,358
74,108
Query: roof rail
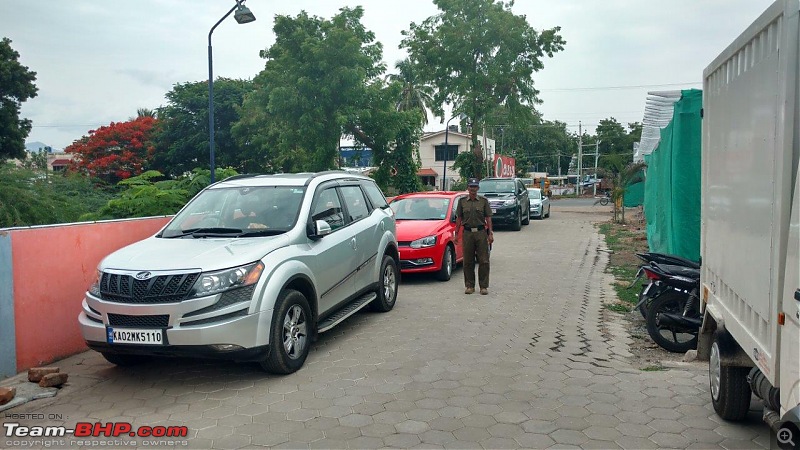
x,y
242,175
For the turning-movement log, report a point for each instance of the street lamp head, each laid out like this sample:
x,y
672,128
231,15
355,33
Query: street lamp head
x,y
243,14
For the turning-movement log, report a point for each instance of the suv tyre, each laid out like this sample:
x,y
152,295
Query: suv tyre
x,y
387,286
291,331
517,225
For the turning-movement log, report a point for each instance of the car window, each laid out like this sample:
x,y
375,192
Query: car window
x,y
329,208
355,201
375,195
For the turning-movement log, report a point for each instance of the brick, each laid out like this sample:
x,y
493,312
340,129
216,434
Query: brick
x,y
7,394
35,374
53,379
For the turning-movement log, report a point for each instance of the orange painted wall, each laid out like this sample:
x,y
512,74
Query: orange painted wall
x,y
52,269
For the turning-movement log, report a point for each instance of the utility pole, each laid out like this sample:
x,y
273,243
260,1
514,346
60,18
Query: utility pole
x,y
559,163
580,159
596,156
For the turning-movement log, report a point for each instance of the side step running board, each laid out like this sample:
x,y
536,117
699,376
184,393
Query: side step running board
x,y
345,312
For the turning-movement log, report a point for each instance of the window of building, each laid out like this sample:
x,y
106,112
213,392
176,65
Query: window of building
x,y
452,151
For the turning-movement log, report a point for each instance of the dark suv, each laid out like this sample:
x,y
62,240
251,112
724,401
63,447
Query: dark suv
x,y
509,200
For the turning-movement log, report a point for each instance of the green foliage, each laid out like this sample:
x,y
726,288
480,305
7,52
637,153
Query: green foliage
x,y
416,95
16,86
28,198
478,54
314,83
150,194
620,181
182,136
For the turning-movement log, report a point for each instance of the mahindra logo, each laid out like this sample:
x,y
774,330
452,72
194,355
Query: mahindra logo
x,y
143,275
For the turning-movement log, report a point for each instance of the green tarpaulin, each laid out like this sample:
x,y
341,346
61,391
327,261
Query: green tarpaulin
x,y
672,186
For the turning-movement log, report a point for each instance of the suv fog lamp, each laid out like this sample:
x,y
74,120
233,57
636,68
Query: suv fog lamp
x,y
215,282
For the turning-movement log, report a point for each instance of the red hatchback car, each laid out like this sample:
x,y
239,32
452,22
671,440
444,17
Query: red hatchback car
x,y
425,225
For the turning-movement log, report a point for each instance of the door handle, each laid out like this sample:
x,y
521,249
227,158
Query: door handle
x,y
353,243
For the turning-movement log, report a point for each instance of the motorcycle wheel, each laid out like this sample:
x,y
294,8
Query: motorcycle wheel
x,y
603,201
672,338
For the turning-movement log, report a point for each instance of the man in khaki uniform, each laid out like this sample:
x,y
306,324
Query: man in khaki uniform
x,y
474,222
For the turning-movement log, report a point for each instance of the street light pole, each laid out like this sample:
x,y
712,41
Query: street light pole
x,y
243,15
461,116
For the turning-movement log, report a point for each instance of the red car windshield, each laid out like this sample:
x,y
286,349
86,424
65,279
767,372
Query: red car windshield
x,y
420,208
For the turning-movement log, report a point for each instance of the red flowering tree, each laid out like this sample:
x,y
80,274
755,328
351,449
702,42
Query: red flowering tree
x,y
115,152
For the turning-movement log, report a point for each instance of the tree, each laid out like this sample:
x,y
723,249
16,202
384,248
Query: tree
x,y
151,194
314,82
182,137
16,86
616,143
145,112
114,152
620,181
415,95
27,199
478,54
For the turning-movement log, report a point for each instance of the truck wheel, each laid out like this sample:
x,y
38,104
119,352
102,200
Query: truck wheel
x,y
448,262
123,360
387,286
517,225
730,392
290,334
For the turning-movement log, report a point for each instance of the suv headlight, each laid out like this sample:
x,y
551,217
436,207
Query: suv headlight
x,y
94,289
428,241
211,283
509,202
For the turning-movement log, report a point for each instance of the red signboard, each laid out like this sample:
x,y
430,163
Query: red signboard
x,y
504,166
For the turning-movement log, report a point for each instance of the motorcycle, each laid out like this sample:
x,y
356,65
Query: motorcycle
x,y
654,287
673,316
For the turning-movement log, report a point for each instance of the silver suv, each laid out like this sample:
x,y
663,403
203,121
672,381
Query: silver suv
x,y
249,270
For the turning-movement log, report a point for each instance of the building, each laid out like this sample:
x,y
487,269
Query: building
x,y
437,160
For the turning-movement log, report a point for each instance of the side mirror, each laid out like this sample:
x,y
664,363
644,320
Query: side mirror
x,y
321,228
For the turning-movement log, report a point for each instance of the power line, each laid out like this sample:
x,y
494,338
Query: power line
x,y
629,86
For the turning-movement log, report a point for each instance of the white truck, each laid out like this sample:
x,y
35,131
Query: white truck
x,y
749,221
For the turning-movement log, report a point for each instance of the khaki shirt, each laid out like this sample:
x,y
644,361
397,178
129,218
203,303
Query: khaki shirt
x,y
473,212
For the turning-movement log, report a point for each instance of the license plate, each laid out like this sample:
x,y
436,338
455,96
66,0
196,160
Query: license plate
x,y
494,210
135,336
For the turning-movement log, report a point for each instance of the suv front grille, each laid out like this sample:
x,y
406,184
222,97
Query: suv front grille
x,y
122,320
159,289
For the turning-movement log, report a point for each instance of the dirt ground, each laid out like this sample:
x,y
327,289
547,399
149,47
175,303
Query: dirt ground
x,y
624,241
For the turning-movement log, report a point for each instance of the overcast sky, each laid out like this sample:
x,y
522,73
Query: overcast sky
x,y
97,61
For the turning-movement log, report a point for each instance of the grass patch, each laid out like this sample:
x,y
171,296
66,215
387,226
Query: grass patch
x,y
653,368
624,241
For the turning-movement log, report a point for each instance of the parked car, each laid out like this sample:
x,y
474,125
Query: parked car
x,y
509,200
426,222
251,269
540,204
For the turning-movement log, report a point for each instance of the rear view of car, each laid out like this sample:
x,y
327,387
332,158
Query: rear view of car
x,y
425,226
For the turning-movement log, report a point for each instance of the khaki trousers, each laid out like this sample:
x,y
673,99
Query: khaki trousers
x,y
476,243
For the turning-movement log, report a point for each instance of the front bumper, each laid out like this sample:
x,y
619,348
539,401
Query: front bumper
x,y
536,211
244,335
504,215
414,260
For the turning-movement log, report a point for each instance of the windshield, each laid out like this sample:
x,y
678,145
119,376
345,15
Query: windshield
x,y
534,194
420,208
236,212
497,186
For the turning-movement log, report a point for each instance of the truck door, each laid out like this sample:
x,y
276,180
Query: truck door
x,y
790,331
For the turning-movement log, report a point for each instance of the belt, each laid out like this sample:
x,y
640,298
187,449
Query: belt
x,y
478,228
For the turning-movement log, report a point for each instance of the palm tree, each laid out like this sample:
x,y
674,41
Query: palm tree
x,y
416,94
145,112
621,179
